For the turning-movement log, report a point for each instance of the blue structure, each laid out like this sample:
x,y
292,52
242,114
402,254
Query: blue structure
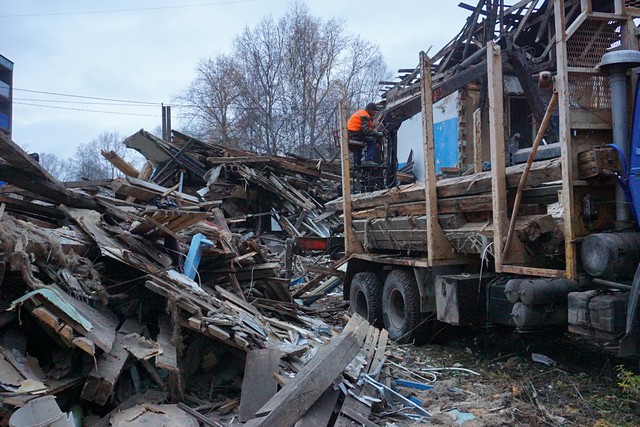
x,y
195,255
6,95
445,135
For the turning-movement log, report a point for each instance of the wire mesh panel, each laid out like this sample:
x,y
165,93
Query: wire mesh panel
x,y
589,92
632,3
593,39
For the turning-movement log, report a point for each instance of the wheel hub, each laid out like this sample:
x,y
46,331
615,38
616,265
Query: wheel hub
x,y
396,309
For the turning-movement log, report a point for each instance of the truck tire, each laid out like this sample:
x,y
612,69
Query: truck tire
x,y
401,306
365,297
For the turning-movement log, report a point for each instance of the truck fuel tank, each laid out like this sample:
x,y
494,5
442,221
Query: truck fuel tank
x,y
612,255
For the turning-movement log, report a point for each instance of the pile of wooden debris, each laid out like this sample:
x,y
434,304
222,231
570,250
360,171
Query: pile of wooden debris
x,y
162,295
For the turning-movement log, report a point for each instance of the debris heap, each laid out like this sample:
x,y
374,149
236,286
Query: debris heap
x,y
125,297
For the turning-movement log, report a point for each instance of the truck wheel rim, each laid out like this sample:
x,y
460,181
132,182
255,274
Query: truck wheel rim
x,y
360,305
396,312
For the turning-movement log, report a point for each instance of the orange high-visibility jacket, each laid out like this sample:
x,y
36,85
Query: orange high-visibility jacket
x,y
360,122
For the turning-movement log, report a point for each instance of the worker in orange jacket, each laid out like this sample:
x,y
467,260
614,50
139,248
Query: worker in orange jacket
x,y
360,128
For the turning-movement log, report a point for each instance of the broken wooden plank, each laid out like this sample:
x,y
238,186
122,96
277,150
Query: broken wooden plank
x,y
119,163
298,395
169,358
102,379
145,191
321,411
239,159
49,190
258,384
13,154
352,408
97,325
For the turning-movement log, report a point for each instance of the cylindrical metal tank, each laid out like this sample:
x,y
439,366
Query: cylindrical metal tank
x,y
512,290
537,316
612,255
546,291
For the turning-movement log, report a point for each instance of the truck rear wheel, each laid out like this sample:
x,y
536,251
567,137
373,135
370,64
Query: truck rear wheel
x,y
365,297
401,306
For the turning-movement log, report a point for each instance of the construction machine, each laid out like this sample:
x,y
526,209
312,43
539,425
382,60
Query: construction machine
x,y
527,134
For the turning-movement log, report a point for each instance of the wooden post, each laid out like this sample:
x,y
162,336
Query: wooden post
x,y
439,248
351,243
564,135
585,6
477,141
619,4
498,168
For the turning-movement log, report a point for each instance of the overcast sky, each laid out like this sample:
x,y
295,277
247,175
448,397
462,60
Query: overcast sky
x,y
147,50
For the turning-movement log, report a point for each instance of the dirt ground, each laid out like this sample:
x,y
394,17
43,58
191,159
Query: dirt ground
x,y
572,384
575,386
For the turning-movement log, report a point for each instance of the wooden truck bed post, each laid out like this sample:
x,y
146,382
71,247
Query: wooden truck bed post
x,y
351,243
439,248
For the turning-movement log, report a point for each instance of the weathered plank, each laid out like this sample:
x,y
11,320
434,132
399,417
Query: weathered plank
x,y
102,379
541,172
320,412
119,163
49,190
299,394
143,190
474,203
258,384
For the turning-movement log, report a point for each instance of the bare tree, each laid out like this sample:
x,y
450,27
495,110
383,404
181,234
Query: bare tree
x,y
88,162
259,53
280,90
212,101
58,167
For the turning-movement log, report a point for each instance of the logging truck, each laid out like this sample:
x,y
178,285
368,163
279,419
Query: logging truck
x,y
524,133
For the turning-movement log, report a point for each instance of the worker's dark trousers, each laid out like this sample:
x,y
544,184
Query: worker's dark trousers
x,y
371,142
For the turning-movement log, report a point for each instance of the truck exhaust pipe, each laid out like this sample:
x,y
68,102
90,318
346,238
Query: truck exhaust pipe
x,y
617,63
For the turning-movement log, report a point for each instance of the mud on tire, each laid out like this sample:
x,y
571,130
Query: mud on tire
x,y
401,306
365,297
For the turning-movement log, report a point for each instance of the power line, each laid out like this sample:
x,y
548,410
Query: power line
x,y
87,110
86,97
24,15
59,101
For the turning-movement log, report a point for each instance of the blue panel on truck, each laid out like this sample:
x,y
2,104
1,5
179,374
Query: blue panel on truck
x,y
445,134
634,174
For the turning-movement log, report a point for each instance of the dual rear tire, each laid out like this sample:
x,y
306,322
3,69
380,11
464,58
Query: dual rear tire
x,y
394,304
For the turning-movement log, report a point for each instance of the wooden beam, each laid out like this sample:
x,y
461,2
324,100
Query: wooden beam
x,y
497,148
119,163
543,171
571,217
351,243
18,158
438,246
51,190
477,141
243,159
